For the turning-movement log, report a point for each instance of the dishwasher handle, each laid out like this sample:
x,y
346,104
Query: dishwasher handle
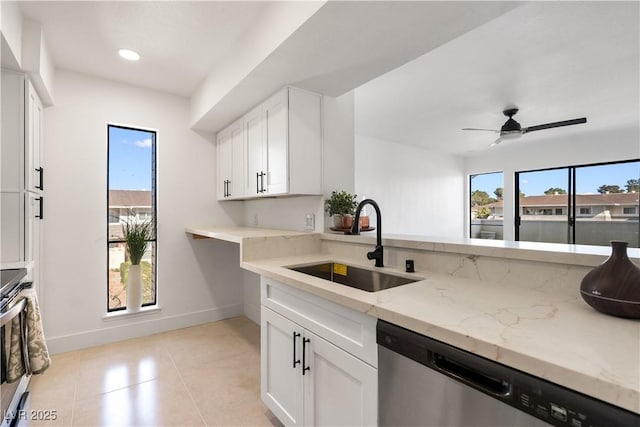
x,y
475,378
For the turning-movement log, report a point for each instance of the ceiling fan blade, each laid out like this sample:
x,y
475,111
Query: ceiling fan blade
x,y
488,130
555,125
496,142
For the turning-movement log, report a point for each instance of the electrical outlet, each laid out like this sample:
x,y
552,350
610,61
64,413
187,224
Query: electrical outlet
x,y
309,222
255,220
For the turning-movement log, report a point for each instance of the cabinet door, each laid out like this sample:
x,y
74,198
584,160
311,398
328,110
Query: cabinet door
x,y
235,188
33,226
255,154
276,122
223,141
12,216
339,389
12,130
33,155
281,379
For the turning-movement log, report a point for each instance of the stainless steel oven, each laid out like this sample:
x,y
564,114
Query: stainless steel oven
x,y
14,395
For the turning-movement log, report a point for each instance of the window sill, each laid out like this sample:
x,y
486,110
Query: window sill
x,y
144,311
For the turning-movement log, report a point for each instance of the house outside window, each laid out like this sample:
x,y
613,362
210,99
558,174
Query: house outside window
x,y
486,206
583,204
131,197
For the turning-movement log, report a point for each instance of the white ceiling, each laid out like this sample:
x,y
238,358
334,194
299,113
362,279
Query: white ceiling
x,y
347,43
555,61
180,41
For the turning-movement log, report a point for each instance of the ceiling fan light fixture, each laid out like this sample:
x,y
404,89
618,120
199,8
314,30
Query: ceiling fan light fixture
x,y
510,135
129,54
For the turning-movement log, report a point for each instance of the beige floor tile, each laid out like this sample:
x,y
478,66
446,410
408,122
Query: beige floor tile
x,y
158,402
230,382
59,380
204,374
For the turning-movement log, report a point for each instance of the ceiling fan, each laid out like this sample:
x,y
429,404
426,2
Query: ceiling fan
x,y
512,129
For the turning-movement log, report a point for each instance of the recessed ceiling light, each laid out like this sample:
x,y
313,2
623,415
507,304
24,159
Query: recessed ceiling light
x,y
129,54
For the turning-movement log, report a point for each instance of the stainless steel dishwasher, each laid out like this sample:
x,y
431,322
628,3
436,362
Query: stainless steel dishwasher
x,y
424,382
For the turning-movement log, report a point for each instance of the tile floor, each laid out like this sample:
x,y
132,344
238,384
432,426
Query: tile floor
x,y
203,375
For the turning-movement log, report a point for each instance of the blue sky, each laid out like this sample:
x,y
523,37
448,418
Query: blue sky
x,y
588,179
129,159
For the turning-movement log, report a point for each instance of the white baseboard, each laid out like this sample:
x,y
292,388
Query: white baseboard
x,y
139,328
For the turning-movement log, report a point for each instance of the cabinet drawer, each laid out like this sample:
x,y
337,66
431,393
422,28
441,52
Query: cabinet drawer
x,y
350,330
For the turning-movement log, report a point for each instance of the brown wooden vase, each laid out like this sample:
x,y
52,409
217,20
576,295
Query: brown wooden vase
x,y
614,286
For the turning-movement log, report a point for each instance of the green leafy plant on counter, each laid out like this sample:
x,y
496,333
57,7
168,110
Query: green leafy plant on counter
x,y
341,203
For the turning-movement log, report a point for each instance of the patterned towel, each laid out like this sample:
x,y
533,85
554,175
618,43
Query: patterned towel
x,y
37,359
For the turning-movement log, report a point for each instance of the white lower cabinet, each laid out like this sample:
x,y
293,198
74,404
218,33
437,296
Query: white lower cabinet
x,y
307,380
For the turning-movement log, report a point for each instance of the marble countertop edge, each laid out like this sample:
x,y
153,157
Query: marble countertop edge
x,y
556,253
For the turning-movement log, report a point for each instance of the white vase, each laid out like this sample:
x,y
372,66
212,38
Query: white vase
x,y
134,288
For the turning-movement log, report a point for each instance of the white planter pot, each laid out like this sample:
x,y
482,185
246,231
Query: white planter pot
x,y
134,288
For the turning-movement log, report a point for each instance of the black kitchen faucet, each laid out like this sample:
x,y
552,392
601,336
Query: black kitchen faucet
x,y
355,229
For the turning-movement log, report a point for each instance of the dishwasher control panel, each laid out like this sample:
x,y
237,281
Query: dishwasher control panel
x,y
544,400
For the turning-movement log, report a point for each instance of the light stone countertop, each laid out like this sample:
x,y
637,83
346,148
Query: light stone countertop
x,y
545,330
238,234
556,253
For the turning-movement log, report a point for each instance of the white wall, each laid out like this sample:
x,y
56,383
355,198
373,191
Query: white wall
x,y
36,60
419,191
198,280
526,153
11,28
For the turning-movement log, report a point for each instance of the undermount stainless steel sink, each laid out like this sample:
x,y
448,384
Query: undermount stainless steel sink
x,y
355,277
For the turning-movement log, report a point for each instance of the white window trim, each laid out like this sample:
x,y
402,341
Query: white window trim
x,y
120,314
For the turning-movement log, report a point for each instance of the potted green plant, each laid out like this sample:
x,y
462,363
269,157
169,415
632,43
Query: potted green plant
x,y
137,234
341,206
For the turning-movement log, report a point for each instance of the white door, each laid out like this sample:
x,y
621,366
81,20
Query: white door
x,y
235,188
276,122
255,153
224,162
34,168
339,389
281,373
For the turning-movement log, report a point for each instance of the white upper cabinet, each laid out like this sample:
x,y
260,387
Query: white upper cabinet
x,y
275,116
231,148
33,156
282,146
22,184
13,131
256,154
